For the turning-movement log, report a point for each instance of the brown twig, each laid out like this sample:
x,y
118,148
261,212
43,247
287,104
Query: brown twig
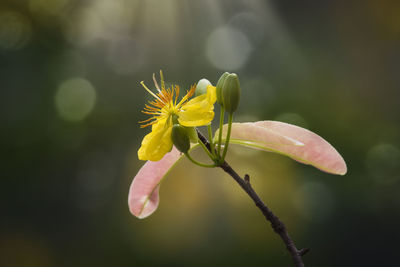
x,y
276,223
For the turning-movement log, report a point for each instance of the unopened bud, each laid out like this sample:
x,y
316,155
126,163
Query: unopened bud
x,y
180,138
231,93
219,86
192,133
201,87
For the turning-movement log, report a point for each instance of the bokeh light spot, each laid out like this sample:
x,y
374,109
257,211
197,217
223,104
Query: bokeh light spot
x,y
228,48
100,20
83,28
75,99
114,15
382,163
15,30
314,201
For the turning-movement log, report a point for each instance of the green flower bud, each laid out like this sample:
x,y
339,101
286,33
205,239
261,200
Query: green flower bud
x,y
219,86
191,131
231,93
201,87
180,138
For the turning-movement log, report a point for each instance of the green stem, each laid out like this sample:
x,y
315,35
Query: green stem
x,y
228,136
221,122
199,163
210,137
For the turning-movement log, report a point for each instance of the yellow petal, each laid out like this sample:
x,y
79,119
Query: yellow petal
x,y
200,110
157,143
211,94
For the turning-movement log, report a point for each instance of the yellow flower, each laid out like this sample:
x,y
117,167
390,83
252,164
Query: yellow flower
x,y
198,111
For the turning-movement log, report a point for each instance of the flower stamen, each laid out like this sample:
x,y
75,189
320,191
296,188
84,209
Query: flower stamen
x,y
148,90
155,83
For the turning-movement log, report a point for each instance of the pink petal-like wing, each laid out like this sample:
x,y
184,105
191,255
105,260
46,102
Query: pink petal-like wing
x,y
143,194
307,147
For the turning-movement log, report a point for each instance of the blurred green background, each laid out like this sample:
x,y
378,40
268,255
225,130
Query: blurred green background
x,y
70,101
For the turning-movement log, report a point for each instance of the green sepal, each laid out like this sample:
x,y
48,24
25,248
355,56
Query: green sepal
x,y
219,86
231,93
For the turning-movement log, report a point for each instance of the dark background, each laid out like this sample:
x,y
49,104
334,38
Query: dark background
x,y
70,101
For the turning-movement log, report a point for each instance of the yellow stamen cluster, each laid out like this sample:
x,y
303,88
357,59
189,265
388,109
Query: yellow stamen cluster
x,y
165,103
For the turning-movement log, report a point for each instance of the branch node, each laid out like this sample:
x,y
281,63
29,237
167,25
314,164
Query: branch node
x,y
303,251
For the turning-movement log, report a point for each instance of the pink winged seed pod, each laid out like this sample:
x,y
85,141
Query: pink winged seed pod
x,y
143,194
308,147
298,143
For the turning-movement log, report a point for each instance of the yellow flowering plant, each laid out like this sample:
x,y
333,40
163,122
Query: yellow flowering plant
x,y
168,116
167,111
173,129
